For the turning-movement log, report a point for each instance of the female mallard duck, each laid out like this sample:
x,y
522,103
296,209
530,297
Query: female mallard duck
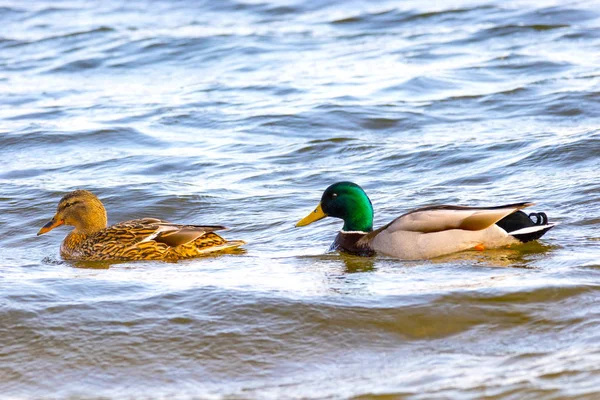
x,y
138,239
425,232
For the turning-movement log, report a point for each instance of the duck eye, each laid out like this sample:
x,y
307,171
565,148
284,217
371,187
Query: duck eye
x,y
67,205
334,195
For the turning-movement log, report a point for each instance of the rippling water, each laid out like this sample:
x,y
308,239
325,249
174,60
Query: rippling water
x,y
241,113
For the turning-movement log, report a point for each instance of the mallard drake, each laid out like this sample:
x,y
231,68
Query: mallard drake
x,y
425,232
138,239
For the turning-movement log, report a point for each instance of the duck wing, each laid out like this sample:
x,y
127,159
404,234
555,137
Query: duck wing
x,y
445,217
151,229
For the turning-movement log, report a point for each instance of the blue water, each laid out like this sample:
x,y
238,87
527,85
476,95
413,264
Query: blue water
x,y
241,113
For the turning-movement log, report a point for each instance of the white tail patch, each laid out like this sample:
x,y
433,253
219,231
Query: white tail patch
x,y
531,229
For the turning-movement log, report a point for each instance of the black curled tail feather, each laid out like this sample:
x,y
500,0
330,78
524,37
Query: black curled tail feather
x,y
540,218
518,221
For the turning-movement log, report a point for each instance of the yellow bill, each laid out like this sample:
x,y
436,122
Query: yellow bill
x,y
316,215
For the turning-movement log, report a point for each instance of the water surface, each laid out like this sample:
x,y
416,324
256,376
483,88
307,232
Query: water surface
x,y
241,113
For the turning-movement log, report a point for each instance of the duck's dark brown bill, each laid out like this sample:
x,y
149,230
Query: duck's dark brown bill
x,y
53,223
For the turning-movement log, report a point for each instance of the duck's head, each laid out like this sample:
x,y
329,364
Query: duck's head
x,y
81,209
345,200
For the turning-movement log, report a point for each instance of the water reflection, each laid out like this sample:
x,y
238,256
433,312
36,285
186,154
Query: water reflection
x,y
519,256
109,263
357,264
94,264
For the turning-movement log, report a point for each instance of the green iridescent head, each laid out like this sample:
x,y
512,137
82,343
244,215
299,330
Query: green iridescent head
x,y
347,201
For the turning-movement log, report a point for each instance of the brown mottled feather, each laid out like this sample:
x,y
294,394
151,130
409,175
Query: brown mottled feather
x,y
139,239
146,239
